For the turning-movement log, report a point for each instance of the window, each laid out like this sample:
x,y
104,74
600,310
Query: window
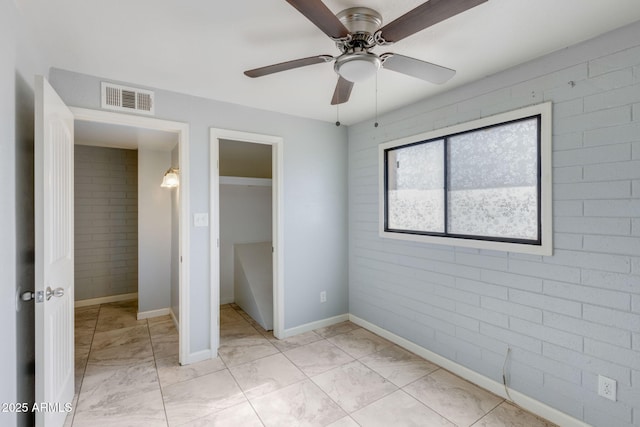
x,y
483,184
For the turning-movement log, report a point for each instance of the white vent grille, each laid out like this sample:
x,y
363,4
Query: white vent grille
x,y
122,98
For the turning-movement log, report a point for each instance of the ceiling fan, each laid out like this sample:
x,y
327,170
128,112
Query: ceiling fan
x,y
356,31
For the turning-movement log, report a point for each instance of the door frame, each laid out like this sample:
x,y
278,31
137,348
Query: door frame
x,y
277,206
182,129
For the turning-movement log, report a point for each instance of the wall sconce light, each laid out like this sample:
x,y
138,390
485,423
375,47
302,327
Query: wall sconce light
x,y
171,178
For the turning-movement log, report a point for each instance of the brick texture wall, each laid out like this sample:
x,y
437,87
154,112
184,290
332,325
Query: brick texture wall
x,y
106,222
566,317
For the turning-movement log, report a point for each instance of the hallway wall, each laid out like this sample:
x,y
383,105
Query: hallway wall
x,y
154,231
175,238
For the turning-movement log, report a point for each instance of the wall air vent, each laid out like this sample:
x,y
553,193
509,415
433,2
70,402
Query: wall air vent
x,y
123,98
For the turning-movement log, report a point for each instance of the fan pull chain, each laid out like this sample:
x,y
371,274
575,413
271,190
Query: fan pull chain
x,y
376,123
338,110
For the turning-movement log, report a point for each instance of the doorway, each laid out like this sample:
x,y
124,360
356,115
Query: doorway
x,y
229,137
125,222
246,228
180,132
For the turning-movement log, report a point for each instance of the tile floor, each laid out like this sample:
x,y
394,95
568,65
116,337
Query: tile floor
x,y
127,374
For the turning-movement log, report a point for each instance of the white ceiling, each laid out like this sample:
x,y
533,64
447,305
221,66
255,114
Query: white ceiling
x,y
127,137
202,47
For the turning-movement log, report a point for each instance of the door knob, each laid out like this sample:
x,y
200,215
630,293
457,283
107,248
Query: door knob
x,y
57,292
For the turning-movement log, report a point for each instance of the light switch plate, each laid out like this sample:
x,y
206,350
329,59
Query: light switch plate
x,y
201,220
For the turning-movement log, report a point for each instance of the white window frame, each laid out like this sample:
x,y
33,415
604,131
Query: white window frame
x,y
546,213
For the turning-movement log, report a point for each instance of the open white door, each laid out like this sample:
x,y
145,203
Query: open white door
x,y
54,256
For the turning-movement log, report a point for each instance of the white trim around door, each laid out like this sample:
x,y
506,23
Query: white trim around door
x,y
278,229
182,129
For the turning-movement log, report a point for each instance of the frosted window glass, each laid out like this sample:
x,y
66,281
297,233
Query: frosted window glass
x,y
415,183
493,178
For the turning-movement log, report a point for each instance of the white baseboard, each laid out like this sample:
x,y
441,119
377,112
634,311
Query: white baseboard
x,y
153,313
314,325
175,319
522,400
105,300
227,300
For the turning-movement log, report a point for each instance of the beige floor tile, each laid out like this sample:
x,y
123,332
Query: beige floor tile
x,y
79,369
203,396
86,319
170,371
140,410
229,316
118,337
118,378
90,311
317,357
68,422
266,375
124,355
398,365
245,350
241,415
509,415
103,385
353,385
399,409
165,346
162,329
295,341
236,331
159,319
344,422
359,342
337,329
117,316
300,404
127,346
83,337
452,397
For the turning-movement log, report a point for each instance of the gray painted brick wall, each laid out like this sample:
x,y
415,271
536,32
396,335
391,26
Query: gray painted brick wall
x,y
566,317
106,222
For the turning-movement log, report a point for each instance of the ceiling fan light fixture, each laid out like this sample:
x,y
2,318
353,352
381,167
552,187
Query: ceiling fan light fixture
x,y
357,67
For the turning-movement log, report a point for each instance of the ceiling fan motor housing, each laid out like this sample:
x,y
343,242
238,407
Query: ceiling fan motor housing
x,y
360,20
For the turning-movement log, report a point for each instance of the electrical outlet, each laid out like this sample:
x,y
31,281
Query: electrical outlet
x,y
607,387
323,296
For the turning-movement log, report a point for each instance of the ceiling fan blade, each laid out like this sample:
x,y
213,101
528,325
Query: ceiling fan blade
x,y
321,16
424,16
283,66
342,92
420,69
